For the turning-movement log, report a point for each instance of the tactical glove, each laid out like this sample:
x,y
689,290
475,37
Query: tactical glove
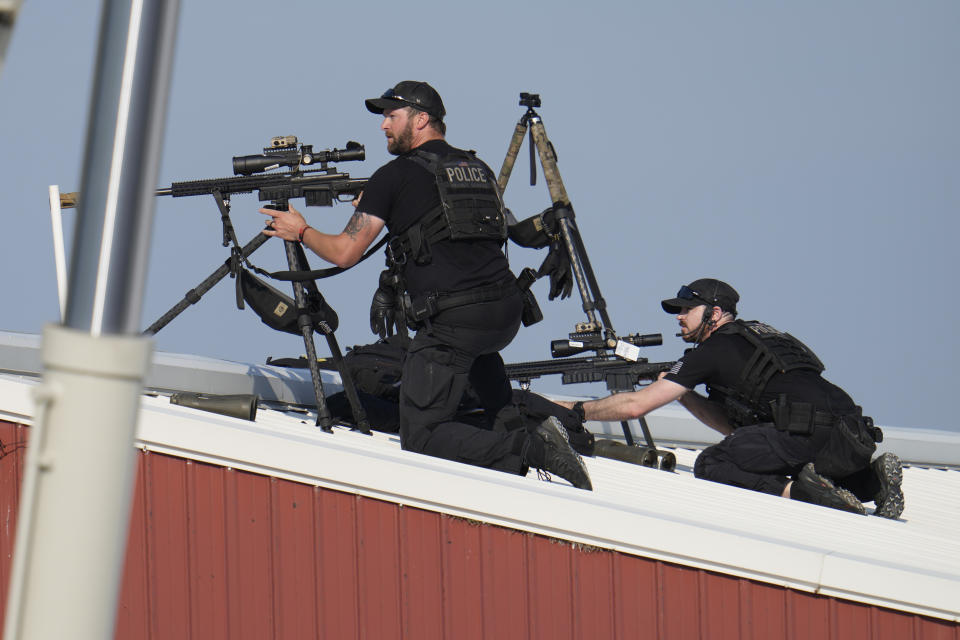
x,y
557,266
383,312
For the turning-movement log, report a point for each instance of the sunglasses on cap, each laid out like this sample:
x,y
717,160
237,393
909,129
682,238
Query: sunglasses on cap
x,y
686,293
390,94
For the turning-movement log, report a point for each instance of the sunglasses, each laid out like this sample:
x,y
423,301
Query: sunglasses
x,y
390,94
686,293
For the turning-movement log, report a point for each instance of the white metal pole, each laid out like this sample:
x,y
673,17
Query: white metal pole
x,y
59,253
74,514
70,542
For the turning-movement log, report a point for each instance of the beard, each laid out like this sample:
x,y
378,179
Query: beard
x,y
402,142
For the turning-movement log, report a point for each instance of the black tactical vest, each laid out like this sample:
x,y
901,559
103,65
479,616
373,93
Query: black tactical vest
x,y
470,206
774,352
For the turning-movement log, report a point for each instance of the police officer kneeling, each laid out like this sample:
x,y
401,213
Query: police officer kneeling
x,y
447,225
789,431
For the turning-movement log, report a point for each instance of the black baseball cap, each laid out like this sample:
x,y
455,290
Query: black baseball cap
x,y
713,293
409,93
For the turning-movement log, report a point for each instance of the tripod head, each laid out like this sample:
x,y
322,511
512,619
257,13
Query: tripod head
x,y
283,152
530,100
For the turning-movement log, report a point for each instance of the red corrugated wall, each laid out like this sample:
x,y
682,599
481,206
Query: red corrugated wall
x,y
217,553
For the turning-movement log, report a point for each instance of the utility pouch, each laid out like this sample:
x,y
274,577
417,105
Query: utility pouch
x,y
848,448
738,413
530,233
531,308
793,417
421,308
875,432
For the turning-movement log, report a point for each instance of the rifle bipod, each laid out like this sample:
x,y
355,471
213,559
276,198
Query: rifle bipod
x,y
599,334
296,261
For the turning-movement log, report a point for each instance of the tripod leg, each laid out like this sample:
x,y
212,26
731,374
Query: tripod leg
x,y
193,296
359,414
324,418
599,303
548,159
559,194
512,151
646,432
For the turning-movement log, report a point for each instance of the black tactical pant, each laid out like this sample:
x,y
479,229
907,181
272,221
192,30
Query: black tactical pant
x,y
459,347
762,458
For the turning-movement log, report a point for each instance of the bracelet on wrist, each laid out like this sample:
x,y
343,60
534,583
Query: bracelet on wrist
x,y
302,231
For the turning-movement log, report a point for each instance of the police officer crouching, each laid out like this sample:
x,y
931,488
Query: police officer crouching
x,y
447,225
789,431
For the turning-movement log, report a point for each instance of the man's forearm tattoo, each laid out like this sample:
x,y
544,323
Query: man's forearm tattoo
x,y
357,222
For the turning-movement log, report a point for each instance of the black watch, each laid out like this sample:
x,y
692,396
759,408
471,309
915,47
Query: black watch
x,y
578,409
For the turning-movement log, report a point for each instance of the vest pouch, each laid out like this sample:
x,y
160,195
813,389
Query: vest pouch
x,y
474,218
470,198
848,448
531,309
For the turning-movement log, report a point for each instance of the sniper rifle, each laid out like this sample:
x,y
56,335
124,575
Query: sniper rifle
x,y
616,373
318,186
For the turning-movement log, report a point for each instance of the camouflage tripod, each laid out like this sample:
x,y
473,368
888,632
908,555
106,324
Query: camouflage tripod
x,y
599,332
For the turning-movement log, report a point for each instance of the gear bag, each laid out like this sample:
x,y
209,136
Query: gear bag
x,y
278,311
376,367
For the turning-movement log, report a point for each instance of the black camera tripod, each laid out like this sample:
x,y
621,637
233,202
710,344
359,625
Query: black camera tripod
x,y
595,334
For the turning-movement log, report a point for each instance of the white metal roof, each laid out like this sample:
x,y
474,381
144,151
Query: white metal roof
x,y
912,564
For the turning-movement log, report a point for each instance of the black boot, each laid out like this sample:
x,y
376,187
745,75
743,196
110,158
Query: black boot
x,y
889,500
814,488
549,449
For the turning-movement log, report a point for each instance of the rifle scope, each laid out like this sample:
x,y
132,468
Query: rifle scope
x,y
286,154
578,343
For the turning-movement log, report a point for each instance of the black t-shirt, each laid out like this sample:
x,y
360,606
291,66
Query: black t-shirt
x,y
400,193
719,362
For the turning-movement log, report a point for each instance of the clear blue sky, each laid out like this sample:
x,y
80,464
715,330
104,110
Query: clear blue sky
x,y
808,153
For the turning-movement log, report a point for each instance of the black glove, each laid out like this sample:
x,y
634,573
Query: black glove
x,y
557,266
383,309
383,312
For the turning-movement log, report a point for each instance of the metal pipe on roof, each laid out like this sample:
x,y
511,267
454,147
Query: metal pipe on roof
x,y
79,475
